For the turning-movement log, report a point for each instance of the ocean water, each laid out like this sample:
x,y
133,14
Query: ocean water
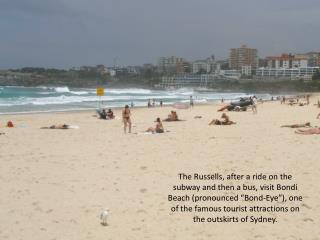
x,y
47,99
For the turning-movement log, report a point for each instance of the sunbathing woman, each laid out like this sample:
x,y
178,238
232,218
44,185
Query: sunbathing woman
x,y
173,116
308,131
158,129
305,125
225,120
59,126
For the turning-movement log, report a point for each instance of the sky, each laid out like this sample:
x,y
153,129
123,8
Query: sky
x,y
72,33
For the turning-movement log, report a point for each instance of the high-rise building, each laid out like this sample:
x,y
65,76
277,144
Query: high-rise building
x,y
243,56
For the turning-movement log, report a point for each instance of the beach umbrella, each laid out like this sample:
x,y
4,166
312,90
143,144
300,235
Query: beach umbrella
x,y
181,105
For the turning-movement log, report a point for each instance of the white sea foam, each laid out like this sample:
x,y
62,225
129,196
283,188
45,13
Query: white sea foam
x,y
129,91
79,92
57,98
61,89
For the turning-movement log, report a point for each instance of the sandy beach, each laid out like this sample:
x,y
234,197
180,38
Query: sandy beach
x,y
55,182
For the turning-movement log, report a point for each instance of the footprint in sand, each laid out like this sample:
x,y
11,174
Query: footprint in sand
x,y
143,190
143,167
306,206
308,220
141,211
73,221
39,209
135,229
258,236
49,211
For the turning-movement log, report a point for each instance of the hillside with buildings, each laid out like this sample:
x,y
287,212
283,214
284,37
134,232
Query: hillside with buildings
x,y
243,70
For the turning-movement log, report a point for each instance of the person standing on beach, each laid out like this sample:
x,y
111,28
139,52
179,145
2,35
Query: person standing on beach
x,y
254,104
191,101
161,103
126,117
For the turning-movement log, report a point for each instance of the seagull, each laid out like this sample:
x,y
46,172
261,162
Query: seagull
x,y
104,216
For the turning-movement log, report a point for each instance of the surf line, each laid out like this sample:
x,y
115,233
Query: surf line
x,y
183,187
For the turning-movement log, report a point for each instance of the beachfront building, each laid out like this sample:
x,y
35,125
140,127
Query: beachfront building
x,y
232,74
133,70
205,66
183,67
187,80
170,64
243,56
199,80
287,61
246,70
304,73
313,58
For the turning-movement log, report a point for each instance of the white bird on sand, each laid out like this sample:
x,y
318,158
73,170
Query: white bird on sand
x,y
104,216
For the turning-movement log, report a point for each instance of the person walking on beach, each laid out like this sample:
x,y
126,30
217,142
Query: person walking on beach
x,y
254,104
126,117
191,101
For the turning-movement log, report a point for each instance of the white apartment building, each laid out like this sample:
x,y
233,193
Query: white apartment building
x,y
232,74
206,66
246,70
287,61
292,73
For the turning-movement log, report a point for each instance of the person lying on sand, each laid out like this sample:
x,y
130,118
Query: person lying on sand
x,y
158,128
225,120
228,107
173,116
302,104
308,131
305,125
59,126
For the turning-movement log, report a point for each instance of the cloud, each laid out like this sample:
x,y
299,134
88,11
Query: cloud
x,y
138,31
36,8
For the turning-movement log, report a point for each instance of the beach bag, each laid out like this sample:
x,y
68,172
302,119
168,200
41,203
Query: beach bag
x,y
9,124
